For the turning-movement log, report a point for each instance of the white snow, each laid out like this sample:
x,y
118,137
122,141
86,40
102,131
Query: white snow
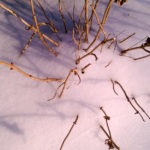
x,y
28,121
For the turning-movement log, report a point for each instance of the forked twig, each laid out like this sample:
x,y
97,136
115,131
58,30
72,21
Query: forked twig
x,y
91,52
74,123
133,98
99,30
128,99
110,142
31,27
13,67
63,84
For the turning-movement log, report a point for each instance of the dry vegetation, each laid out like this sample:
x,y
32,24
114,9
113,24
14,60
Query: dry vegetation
x,y
80,34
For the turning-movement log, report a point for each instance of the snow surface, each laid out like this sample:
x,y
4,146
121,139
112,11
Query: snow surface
x,y
29,122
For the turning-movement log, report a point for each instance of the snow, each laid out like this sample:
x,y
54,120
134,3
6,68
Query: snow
x,y
29,121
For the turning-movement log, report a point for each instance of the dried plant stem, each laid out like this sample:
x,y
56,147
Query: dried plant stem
x,y
66,137
62,15
27,44
92,14
133,98
38,29
91,52
63,84
105,16
50,23
109,141
85,67
123,40
86,20
128,99
141,57
99,30
106,117
13,67
27,24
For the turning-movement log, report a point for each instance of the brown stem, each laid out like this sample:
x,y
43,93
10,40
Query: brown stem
x,y
74,123
13,67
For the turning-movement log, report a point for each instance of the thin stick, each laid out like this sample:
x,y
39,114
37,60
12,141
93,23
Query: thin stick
x,y
106,117
74,123
113,86
13,67
105,16
62,15
27,44
99,30
38,29
92,14
85,67
128,100
91,52
51,24
63,84
140,107
86,21
141,57
110,141
121,41
27,24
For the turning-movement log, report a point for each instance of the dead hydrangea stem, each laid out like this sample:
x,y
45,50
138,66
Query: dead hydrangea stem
x,y
27,44
70,130
142,57
38,29
64,83
13,67
27,24
92,14
105,16
109,141
106,117
99,30
51,24
62,15
128,100
133,98
86,20
91,52
85,67
123,40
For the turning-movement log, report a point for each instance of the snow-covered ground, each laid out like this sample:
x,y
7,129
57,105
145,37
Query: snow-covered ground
x,y
28,121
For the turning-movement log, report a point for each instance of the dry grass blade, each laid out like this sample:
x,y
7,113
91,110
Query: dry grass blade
x,y
74,123
123,40
13,67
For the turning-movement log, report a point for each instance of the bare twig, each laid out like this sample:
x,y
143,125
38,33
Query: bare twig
x,y
63,84
74,123
86,20
50,23
105,16
133,98
62,15
91,52
99,30
121,41
13,67
27,44
85,67
128,100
